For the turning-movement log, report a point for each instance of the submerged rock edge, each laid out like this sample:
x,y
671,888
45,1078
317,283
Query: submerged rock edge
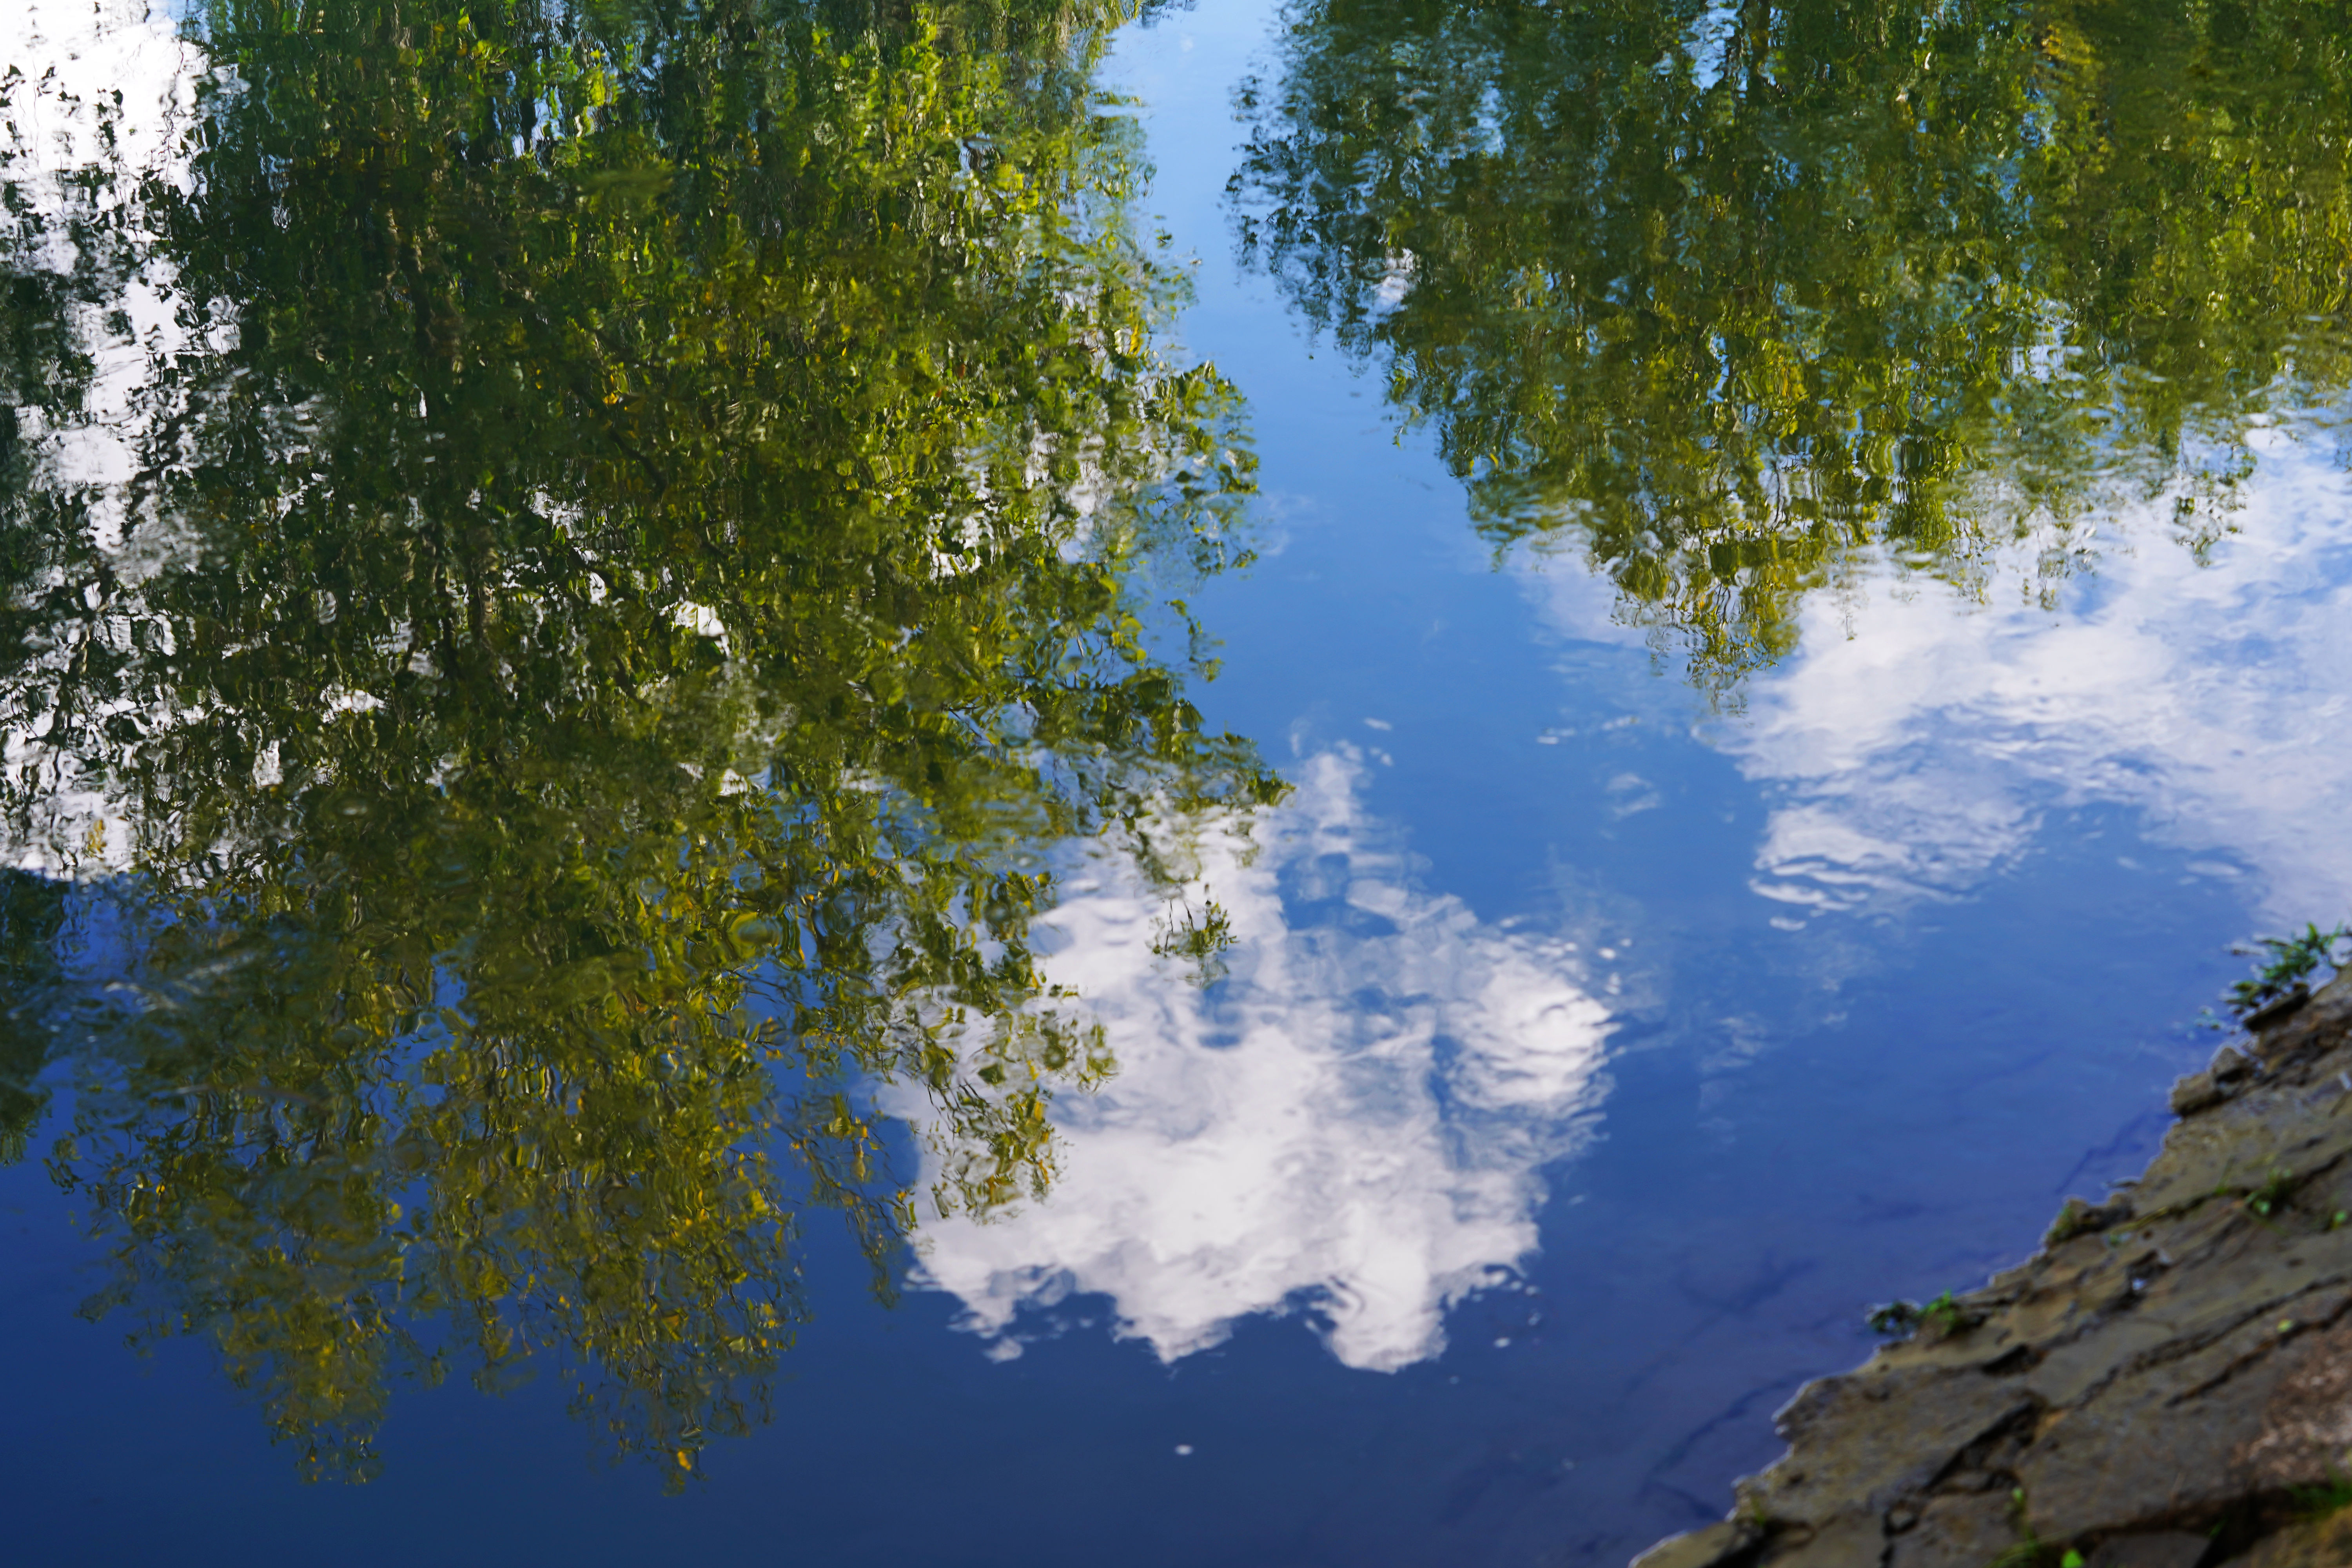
x,y
2174,1366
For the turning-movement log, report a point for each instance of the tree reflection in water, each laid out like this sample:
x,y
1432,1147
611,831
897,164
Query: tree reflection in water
x,y
1721,298
630,534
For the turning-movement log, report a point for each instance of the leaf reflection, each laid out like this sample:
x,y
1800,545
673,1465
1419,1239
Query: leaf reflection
x,y
1724,297
629,532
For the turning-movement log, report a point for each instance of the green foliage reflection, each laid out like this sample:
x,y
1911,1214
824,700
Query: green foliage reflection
x,y
635,554
1722,295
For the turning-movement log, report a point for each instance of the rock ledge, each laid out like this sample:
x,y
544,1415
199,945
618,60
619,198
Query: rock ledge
x,y
2163,1385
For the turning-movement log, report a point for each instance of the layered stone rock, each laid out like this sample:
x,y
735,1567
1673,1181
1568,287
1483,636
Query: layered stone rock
x,y
2167,1382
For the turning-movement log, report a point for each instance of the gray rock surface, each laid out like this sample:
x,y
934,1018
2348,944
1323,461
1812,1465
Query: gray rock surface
x,y
2159,1387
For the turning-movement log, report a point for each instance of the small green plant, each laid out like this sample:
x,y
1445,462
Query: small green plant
x,y
1205,938
2076,1217
1944,1317
1894,1318
2333,1496
2271,1195
2290,960
2031,1551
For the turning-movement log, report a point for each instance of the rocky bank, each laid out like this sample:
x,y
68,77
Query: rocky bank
x,y
2167,1383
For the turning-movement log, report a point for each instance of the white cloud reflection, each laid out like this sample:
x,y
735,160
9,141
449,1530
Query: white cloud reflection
x,y
78,55
1350,1124
1918,753
1914,744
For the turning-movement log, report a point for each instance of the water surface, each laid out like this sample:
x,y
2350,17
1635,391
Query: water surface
x,y
1001,784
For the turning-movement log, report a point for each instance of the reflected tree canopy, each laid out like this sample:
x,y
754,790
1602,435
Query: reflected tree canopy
x,y
1721,295
615,538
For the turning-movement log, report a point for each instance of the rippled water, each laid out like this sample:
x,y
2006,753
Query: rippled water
x,y
999,784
